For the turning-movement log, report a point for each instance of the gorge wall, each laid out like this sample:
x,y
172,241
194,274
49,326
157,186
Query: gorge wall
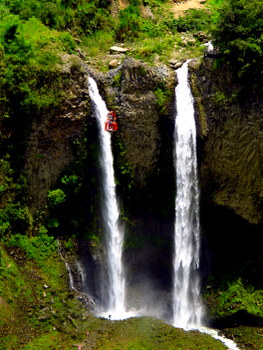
x,y
52,135
143,149
230,148
62,152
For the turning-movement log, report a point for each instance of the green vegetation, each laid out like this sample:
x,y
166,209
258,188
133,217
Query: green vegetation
x,y
14,214
238,34
237,296
38,248
37,310
163,95
145,334
30,77
156,40
244,335
56,197
62,14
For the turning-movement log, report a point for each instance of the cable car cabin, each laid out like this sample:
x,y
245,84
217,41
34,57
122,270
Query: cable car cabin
x,y
111,126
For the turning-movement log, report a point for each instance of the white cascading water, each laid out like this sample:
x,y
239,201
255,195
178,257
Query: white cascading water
x,y
187,306
114,234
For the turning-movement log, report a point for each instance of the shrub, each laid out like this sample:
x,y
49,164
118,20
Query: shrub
x,y
193,20
240,297
130,24
30,78
239,36
56,197
38,248
14,214
91,18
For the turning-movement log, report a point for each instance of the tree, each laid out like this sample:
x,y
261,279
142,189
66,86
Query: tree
x,y
239,36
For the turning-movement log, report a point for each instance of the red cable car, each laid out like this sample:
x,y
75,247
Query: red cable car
x,y
111,123
111,126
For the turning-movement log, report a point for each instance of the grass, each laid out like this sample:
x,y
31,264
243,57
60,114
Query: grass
x,y
249,337
145,334
98,44
150,50
37,309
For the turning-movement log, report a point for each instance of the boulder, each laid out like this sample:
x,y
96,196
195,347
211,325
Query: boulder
x,y
175,64
119,49
114,63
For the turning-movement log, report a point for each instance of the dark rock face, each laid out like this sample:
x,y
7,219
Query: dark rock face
x,y
144,166
230,161
50,146
232,152
134,99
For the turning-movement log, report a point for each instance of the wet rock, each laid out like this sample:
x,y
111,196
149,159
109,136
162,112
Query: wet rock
x,y
175,64
195,63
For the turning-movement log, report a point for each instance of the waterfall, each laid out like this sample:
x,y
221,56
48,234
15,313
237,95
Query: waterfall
x,y
187,306
115,299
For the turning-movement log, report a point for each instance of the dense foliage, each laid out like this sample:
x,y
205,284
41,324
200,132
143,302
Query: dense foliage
x,y
80,16
29,64
239,36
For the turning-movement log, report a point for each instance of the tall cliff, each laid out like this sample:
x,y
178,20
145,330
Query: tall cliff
x,y
231,151
52,136
142,97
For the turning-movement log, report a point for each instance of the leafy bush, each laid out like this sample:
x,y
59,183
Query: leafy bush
x,y
193,20
38,248
14,214
56,197
239,36
240,297
50,14
91,18
30,71
130,24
